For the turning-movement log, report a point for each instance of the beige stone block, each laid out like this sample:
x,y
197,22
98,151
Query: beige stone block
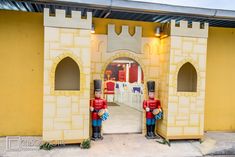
x,y
54,53
63,101
86,126
54,46
173,99
66,39
48,123
73,134
51,34
183,111
178,52
172,108
75,98
181,117
48,64
77,122
171,120
86,70
85,33
82,41
75,107
201,49
84,110
86,56
202,62
201,130
176,42
178,59
63,112
174,131
49,110
194,119
46,77
62,125
191,131
46,90
49,99
153,71
181,123
187,46
52,135
184,100
62,119
202,41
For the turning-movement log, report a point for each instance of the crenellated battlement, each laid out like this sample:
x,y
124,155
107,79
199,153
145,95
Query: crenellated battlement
x,y
60,19
183,29
124,41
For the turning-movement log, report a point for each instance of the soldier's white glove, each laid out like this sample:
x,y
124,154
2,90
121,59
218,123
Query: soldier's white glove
x,y
92,108
106,110
147,109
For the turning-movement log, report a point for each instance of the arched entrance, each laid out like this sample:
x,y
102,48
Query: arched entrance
x,y
124,91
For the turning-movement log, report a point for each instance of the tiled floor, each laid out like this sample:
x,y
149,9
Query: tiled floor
x,y
123,119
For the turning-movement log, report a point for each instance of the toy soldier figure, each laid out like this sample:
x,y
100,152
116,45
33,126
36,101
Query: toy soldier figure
x,y
98,107
153,110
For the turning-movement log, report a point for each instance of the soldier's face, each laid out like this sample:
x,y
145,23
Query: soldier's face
x,y
151,94
97,94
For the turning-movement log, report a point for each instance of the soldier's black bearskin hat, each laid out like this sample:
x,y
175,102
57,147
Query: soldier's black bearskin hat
x,y
97,85
151,86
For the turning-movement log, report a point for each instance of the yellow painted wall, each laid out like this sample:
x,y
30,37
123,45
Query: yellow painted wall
x,y
21,77
21,73
220,80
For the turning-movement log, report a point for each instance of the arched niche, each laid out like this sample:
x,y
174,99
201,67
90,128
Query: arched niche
x,y
67,75
187,78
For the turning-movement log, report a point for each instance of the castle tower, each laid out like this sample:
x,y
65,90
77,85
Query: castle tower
x,y
66,76
183,80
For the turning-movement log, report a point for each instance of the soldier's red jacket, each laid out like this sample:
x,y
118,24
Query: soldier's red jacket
x,y
98,104
151,104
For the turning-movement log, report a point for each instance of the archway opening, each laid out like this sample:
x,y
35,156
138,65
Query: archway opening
x,y
123,90
187,78
67,75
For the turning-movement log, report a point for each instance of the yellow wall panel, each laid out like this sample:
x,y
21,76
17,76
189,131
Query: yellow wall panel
x,y
220,80
21,73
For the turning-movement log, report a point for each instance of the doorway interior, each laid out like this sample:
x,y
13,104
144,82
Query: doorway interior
x,y
123,90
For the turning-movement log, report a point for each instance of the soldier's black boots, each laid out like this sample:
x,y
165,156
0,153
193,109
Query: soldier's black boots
x,y
148,132
96,133
99,133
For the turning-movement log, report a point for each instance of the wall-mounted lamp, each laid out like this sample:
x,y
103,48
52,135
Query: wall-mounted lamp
x,y
93,29
158,32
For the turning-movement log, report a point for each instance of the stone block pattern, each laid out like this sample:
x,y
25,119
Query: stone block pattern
x,y
185,111
65,112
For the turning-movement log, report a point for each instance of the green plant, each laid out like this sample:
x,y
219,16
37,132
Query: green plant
x,y
46,146
86,144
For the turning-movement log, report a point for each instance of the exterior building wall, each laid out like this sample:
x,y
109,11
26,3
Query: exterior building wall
x,y
22,59
66,112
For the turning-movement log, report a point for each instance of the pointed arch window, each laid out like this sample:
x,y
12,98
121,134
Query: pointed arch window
x,y
187,78
67,75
